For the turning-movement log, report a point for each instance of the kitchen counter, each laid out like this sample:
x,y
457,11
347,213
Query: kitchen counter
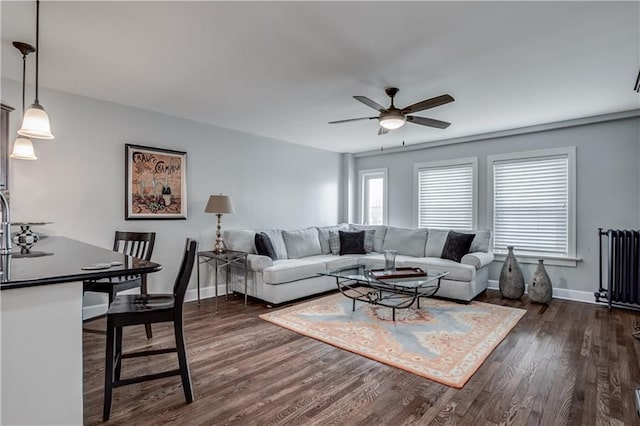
x,y
55,260
41,327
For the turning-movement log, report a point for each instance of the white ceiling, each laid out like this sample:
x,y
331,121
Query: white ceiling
x,y
283,70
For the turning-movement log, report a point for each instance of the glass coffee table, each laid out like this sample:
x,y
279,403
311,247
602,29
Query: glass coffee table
x,y
359,283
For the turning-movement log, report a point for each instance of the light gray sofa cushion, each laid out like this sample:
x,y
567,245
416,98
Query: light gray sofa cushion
x,y
410,242
302,243
323,235
381,230
240,240
287,270
333,262
275,235
435,242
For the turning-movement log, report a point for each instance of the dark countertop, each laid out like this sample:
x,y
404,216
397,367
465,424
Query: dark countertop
x,y
54,260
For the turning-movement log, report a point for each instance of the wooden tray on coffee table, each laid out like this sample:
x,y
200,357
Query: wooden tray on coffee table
x,y
401,272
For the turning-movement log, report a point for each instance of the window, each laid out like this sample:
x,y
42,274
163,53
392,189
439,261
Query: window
x,y
373,199
533,202
446,194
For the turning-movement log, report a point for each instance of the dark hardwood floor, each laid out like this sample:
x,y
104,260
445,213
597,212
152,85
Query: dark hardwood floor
x,y
567,363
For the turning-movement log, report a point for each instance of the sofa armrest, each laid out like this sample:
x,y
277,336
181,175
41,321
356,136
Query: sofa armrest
x,y
478,259
258,263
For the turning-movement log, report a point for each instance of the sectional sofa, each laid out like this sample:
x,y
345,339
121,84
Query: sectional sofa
x,y
301,254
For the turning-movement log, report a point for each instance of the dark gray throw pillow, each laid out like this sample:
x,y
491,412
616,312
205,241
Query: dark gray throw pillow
x,y
264,246
456,246
351,242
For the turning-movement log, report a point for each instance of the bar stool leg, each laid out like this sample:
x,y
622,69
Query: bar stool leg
x,y
118,353
182,361
108,372
143,290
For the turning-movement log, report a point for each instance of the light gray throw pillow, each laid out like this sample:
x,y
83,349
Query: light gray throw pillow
x,y
240,240
334,242
302,243
409,242
435,242
381,230
480,241
369,240
323,236
275,235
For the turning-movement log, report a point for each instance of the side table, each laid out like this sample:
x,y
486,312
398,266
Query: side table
x,y
223,260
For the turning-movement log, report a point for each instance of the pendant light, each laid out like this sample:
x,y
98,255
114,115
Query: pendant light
x,y
22,147
35,122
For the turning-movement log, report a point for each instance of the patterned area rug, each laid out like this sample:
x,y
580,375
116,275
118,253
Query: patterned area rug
x,y
442,341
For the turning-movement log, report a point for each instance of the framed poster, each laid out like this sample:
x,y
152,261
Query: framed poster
x,y
155,183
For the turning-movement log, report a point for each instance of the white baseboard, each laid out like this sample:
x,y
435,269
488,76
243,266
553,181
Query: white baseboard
x,y
559,293
92,311
205,293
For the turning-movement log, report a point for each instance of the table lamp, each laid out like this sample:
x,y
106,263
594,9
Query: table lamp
x,y
219,204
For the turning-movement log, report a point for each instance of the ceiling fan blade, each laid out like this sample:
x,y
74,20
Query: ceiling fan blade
x,y
372,104
351,119
426,104
382,131
428,122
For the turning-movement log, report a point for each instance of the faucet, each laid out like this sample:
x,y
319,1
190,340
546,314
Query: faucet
x,y
5,226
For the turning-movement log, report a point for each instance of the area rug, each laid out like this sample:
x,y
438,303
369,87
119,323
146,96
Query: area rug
x,y
443,341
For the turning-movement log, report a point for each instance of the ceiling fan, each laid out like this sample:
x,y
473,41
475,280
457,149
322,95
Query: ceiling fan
x,y
393,118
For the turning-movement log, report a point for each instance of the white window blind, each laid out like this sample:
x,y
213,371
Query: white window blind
x,y
530,205
446,197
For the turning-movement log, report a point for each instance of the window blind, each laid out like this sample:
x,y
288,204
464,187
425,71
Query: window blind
x,y
445,197
530,205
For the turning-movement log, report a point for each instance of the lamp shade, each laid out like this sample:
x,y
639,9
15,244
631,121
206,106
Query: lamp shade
x,y
35,123
23,150
219,204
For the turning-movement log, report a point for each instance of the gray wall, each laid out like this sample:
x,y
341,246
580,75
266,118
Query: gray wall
x,y
607,177
77,182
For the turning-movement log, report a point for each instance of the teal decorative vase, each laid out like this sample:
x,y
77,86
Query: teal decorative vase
x,y
540,288
511,280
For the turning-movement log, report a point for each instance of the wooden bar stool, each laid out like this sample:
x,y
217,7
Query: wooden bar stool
x,y
137,244
134,309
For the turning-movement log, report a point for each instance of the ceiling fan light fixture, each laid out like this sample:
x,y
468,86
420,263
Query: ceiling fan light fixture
x,y
392,120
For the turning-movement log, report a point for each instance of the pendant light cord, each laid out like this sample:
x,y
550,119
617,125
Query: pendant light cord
x,y
37,46
24,74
